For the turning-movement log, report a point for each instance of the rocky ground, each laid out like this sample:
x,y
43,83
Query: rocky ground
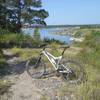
x,y
26,88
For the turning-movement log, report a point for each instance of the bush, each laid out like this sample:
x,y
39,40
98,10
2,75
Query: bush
x,y
78,34
49,41
14,39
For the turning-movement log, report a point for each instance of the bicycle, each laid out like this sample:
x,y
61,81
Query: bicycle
x,y
70,70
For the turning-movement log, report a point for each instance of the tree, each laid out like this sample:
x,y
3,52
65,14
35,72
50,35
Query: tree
x,y
2,14
31,15
8,15
15,13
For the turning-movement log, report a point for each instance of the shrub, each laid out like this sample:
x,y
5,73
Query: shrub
x,y
78,34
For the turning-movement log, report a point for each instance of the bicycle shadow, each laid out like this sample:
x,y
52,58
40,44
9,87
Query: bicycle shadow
x,y
18,68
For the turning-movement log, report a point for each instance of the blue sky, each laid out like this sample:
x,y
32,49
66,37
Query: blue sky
x,y
72,11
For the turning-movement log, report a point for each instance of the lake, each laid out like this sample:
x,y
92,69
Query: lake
x,y
48,33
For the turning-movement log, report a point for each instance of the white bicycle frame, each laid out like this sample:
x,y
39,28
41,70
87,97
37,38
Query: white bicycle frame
x,y
53,60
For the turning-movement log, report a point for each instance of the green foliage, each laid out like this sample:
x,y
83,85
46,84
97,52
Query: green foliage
x,y
36,3
9,16
90,55
9,39
40,13
36,34
49,41
15,13
24,53
78,34
92,40
2,60
88,91
91,49
2,15
34,16
55,49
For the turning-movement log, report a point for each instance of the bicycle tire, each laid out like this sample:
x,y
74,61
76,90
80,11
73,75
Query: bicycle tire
x,y
77,71
35,68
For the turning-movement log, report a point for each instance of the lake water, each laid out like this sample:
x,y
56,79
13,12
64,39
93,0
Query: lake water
x,y
48,33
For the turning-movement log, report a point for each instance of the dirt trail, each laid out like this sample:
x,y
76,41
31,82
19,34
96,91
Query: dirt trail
x,y
26,88
29,89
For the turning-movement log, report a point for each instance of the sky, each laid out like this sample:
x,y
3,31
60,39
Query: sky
x,y
64,12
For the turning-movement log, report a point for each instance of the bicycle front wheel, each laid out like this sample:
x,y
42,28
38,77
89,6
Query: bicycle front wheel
x,y
35,67
75,73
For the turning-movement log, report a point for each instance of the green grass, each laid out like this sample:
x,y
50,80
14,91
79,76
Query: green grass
x,y
88,91
25,53
54,49
90,56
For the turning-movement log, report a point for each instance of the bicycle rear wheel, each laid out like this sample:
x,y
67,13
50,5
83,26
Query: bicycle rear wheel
x,y
35,67
76,72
